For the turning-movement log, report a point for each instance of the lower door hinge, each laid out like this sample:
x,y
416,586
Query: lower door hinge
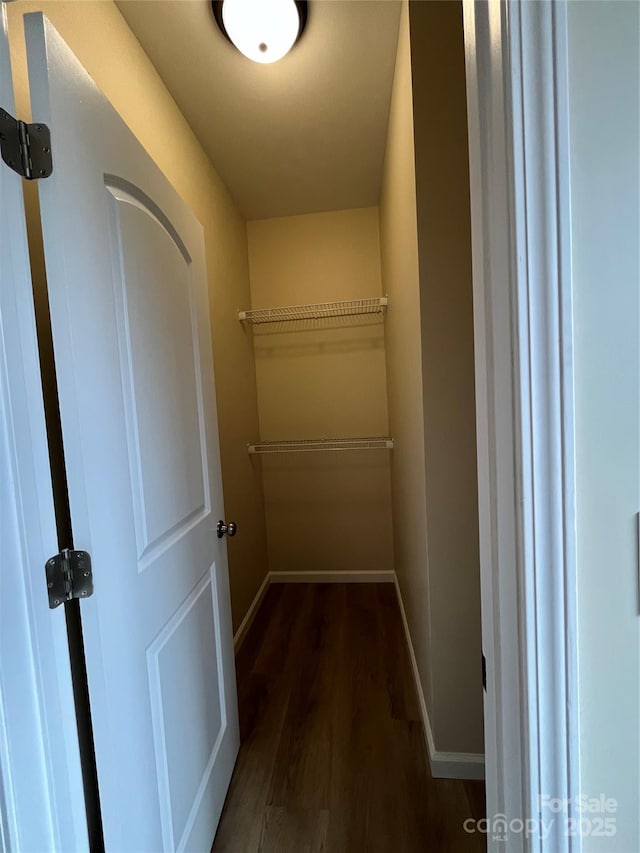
x,y
25,148
69,576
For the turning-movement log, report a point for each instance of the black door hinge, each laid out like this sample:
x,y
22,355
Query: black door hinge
x,y
69,576
25,148
484,673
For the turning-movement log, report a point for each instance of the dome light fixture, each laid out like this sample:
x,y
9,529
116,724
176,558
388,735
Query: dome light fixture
x,y
263,30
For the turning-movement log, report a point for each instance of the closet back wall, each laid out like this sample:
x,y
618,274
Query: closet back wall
x,y
325,511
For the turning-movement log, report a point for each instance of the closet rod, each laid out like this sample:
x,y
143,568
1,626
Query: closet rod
x,y
317,311
321,444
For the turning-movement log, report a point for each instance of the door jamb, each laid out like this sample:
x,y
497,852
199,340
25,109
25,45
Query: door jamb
x,y
516,57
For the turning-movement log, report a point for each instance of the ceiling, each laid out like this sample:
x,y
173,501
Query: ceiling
x,y
304,134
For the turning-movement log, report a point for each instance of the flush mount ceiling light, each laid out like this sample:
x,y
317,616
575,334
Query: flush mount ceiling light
x,y
263,30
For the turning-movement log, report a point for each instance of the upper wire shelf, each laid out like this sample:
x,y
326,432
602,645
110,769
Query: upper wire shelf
x,y
317,444
317,311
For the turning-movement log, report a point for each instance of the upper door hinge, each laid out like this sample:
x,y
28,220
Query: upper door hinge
x,y
25,148
69,576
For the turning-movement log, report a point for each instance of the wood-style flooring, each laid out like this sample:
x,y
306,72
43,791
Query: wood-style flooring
x,y
333,756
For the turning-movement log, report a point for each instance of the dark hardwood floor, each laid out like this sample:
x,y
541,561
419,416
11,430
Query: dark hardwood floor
x,y
333,756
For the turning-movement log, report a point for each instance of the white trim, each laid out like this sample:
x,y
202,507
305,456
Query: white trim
x,y
518,146
332,577
250,615
491,217
539,59
444,765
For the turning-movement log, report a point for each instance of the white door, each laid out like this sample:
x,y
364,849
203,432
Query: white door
x,y
41,799
129,309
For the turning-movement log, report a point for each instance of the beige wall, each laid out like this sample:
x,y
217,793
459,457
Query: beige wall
x,y
446,308
99,36
426,270
400,276
325,511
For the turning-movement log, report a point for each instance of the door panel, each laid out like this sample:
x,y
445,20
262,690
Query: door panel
x,y
160,364
130,319
193,627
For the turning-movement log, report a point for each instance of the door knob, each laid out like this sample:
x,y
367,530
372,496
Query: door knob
x,y
230,529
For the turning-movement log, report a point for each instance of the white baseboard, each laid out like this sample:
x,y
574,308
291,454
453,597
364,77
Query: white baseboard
x,y
332,577
250,615
444,765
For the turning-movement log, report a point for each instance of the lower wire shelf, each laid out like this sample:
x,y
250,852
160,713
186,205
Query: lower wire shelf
x,y
321,444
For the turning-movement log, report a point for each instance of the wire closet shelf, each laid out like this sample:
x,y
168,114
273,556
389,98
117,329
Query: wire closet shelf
x,y
317,311
321,444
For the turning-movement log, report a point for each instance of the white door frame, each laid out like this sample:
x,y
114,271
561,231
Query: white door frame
x,y
41,793
516,57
